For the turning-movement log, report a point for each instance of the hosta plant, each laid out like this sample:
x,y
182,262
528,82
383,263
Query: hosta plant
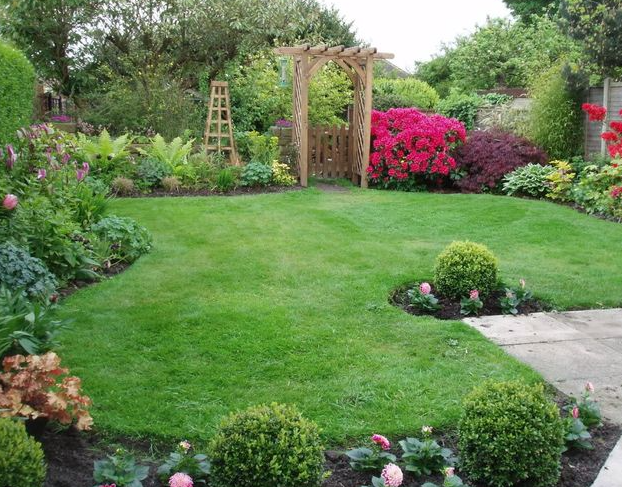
x,y
184,460
374,457
530,180
120,469
37,386
426,456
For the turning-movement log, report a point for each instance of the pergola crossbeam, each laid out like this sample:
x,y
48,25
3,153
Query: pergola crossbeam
x,y
358,64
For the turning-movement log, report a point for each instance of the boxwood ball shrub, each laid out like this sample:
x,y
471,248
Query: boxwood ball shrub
x,y
488,156
22,463
510,434
17,89
266,446
464,266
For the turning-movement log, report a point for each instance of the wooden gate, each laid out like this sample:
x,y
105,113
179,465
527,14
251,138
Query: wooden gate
x,y
330,153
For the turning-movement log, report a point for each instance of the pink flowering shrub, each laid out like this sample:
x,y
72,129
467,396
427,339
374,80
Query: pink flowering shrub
x,y
411,149
488,156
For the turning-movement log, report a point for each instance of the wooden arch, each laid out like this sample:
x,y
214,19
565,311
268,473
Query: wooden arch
x,y
358,63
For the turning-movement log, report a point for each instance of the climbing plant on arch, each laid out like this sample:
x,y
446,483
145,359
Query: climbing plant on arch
x,y
358,63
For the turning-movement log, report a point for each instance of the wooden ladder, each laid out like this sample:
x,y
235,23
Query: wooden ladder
x,y
219,128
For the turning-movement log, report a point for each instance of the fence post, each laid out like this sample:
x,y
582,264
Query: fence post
x,y
606,98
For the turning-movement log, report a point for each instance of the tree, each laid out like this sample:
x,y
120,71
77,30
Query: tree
x,y
49,32
524,9
597,24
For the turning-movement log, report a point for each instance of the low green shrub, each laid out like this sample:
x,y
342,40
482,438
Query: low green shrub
x,y
462,107
17,91
22,463
266,446
281,175
463,267
256,174
20,270
529,180
127,239
404,93
151,172
511,434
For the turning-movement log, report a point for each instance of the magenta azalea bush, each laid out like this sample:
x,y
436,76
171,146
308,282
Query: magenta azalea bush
x,y
412,150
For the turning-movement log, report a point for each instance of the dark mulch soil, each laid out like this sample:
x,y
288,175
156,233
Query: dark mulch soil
x,y
450,308
161,193
70,456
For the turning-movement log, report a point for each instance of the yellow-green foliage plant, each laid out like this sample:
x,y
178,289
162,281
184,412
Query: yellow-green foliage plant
x,y
281,175
561,181
22,463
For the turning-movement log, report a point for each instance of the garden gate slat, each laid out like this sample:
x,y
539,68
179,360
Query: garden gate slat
x,y
330,152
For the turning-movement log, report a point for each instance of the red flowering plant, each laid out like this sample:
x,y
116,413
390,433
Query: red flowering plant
x,y
613,137
37,386
410,149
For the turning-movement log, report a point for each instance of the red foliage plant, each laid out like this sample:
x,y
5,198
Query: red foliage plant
x,y
488,156
613,137
36,386
410,148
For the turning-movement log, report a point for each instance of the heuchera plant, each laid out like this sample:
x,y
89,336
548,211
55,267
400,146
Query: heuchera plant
x,y
411,149
37,386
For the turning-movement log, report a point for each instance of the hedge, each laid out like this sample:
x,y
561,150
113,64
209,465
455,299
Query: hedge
x,y
17,90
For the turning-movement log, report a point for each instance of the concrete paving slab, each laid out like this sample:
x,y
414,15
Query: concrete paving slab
x,y
512,330
611,473
613,343
567,360
602,323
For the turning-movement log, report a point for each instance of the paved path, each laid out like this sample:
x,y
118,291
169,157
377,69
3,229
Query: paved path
x,y
568,349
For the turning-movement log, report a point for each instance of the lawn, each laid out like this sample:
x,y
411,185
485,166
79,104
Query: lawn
x,y
283,297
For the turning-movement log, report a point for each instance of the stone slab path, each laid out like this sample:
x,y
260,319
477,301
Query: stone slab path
x,y
569,349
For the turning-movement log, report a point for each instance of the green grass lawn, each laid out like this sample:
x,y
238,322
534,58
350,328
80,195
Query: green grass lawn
x,y
283,297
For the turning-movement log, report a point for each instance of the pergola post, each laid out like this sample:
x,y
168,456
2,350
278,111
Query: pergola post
x,y
358,63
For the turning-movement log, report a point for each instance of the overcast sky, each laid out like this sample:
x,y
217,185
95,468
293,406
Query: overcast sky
x,y
414,30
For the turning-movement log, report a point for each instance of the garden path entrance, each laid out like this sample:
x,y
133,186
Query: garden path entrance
x,y
568,349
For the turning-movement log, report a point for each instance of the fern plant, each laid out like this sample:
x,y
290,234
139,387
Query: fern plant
x,y
174,154
104,152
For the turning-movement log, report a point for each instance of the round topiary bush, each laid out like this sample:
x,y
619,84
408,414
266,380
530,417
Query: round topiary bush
x,y
266,446
464,266
21,458
17,91
511,434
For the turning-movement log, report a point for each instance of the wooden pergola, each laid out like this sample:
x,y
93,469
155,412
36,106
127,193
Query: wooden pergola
x,y
358,63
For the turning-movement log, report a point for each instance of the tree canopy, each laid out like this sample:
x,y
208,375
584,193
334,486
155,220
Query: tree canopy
x,y
524,9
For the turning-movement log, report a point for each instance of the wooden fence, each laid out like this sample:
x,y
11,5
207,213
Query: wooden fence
x,y
330,152
609,96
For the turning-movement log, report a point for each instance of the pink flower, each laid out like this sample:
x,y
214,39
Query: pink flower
x,y
185,445
427,430
80,174
10,202
108,485
425,288
450,472
382,441
180,480
392,475
589,387
474,295
41,174
11,157
575,412
85,167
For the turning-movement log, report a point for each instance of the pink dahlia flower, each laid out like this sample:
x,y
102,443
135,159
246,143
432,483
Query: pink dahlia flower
x,y
180,480
392,475
474,295
427,430
425,288
41,174
185,445
589,387
575,412
10,202
382,441
450,472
